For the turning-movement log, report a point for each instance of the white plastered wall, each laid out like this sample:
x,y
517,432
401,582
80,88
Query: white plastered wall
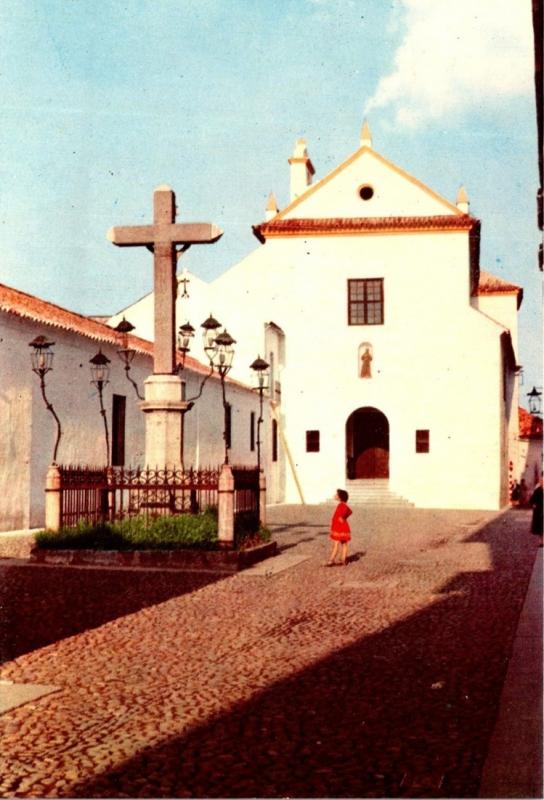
x,y
395,193
436,360
28,430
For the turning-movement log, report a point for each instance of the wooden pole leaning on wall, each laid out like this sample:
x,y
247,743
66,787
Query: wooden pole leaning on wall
x,y
285,446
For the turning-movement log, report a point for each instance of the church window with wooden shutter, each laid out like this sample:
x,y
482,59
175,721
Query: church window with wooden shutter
x,y
365,301
422,441
274,440
118,430
312,442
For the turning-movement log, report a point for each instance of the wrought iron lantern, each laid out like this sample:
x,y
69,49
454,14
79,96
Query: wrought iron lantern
x,y
210,327
224,353
100,371
260,369
42,355
126,353
185,334
535,403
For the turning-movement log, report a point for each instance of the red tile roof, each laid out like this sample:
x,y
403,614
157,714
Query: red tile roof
x,y
20,304
330,226
490,284
530,426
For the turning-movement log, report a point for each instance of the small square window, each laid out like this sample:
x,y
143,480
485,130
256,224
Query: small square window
x,y
312,441
422,441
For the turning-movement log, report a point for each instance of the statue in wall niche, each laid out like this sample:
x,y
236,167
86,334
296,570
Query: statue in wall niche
x,y
366,359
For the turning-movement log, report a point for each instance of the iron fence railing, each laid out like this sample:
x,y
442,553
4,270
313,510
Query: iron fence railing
x,y
112,494
115,493
84,495
246,499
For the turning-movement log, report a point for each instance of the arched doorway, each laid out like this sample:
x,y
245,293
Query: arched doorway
x,y
367,444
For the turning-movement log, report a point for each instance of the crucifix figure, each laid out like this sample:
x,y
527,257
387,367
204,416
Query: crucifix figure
x,y
164,403
162,238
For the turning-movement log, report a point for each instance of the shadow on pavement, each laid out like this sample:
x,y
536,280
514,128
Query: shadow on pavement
x,y
406,712
40,605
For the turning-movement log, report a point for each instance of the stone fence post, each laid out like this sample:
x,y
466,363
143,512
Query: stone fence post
x,y
262,499
225,510
53,498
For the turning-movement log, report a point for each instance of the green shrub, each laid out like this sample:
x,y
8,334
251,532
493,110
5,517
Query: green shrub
x,y
137,533
84,536
264,534
194,531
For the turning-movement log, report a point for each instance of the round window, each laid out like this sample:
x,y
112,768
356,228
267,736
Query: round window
x,y
366,192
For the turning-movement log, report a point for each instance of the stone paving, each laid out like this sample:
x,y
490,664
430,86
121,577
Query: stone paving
x,y
379,679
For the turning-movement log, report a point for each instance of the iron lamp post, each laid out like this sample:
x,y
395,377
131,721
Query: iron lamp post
x,y
222,361
185,334
126,353
100,373
260,369
42,362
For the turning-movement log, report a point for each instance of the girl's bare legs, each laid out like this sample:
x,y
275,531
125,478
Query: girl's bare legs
x,y
334,551
344,552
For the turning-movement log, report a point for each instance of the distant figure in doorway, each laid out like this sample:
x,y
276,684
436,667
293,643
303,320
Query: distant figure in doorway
x,y
537,524
340,531
366,359
514,494
523,492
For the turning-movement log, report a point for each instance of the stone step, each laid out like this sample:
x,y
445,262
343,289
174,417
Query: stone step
x,y
374,492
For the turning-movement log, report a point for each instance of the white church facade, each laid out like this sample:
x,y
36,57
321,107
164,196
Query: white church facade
x,y
393,355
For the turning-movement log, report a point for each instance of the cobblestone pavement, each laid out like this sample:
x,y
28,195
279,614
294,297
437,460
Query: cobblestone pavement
x,y
379,679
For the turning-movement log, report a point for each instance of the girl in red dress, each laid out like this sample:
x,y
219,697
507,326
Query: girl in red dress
x,y
340,530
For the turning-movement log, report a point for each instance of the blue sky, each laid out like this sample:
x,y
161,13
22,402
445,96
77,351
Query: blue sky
x,y
104,101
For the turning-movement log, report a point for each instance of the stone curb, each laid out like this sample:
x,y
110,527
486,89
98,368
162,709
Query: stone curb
x,y
228,561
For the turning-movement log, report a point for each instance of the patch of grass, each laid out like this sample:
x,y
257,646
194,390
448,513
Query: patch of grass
x,y
137,533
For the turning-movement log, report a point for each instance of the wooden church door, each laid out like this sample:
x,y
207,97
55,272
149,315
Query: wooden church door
x,y
367,434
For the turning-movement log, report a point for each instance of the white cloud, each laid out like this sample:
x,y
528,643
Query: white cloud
x,y
456,56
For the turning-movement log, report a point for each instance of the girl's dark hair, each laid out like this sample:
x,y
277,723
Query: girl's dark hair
x,y
343,495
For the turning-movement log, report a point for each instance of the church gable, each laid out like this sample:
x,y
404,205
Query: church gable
x,y
367,185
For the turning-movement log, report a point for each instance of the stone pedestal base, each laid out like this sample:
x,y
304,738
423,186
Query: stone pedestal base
x,y
164,406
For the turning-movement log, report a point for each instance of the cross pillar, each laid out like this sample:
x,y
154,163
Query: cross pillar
x,y
164,403
164,406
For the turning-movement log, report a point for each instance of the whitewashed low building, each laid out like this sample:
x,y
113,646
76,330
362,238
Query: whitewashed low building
x,y
393,355
28,430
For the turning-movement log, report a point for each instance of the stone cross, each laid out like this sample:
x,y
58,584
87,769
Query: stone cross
x,y
161,238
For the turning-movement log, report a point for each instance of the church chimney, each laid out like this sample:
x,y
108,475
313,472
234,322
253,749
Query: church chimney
x,y
366,137
302,169
271,207
462,200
